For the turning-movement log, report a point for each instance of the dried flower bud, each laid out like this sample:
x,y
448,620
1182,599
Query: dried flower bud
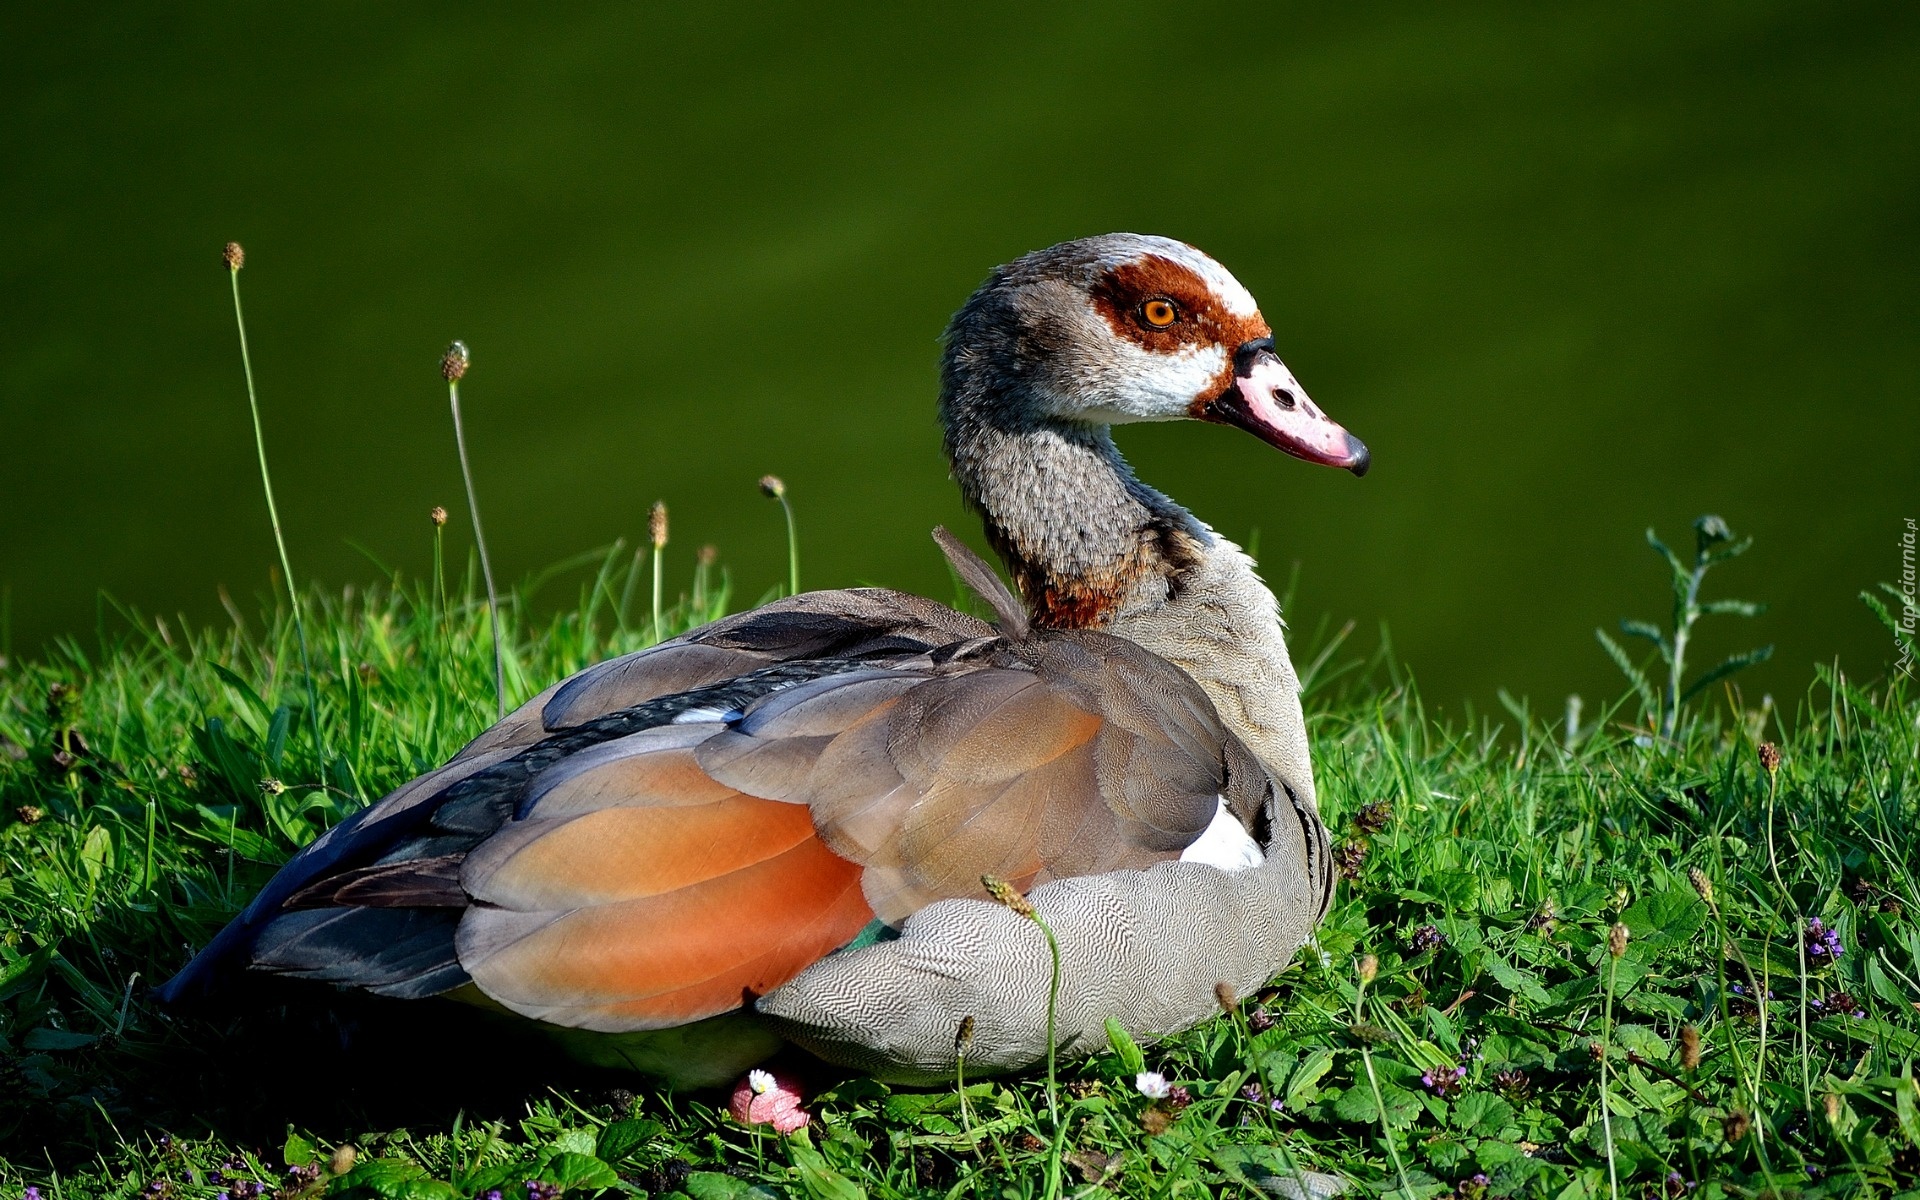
x,y
1689,1048
1006,894
437,515
1369,969
1710,530
1701,884
1736,1125
63,705
657,524
1832,1105
343,1160
1769,757
1349,857
1617,940
30,814
1259,1020
708,555
1596,1051
1223,996
187,774
1374,817
271,787
234,256
454,363
772,487
963,1036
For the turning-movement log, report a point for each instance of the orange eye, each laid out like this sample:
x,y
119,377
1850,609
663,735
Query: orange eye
x,y
1159,313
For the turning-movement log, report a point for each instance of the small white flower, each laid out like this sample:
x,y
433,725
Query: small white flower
x,y
1152,1084
761,1082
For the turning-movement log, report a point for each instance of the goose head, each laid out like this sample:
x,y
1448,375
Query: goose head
x,y
1127,328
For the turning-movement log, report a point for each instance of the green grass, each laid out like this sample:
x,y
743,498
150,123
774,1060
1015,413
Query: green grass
x,y
150,782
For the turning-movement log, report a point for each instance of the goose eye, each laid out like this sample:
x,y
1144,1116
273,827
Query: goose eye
x,y
1159,313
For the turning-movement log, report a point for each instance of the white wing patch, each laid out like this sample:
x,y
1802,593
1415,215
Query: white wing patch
x,y
1225,843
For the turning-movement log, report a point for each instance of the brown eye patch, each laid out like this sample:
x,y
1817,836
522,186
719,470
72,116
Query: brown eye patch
x,y
1163,305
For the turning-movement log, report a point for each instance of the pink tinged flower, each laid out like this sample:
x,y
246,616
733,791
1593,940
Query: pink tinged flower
x,y
1152,1084
763,1098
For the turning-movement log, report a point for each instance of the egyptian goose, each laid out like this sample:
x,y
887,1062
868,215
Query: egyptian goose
x,y
775,826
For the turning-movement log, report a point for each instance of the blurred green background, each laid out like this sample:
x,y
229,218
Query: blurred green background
x,y
1570,270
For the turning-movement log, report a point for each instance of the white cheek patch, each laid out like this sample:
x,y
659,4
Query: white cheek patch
x,y
1133,383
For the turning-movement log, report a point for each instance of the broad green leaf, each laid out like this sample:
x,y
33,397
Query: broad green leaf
x,y
622,1138
1514,979
1671,917
1642,1040
1458,890
573,1141
821,1181
1131,1060
1306,1076
1481,1114
574,1171
1357,1104
715,1185
48,1038
386,1177
298,1151
96,853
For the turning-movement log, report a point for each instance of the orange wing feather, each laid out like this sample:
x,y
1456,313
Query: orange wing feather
x,y
695,933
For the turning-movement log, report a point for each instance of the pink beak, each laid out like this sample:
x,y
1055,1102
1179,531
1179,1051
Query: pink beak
x,y
1268,402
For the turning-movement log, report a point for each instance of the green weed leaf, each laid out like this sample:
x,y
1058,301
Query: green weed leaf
x,y
1131,1060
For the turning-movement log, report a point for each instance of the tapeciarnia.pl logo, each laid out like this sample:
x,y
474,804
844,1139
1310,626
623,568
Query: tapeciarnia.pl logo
x,y
1909,601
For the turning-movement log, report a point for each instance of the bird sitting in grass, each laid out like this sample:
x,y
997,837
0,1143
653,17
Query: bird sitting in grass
x,y
774,829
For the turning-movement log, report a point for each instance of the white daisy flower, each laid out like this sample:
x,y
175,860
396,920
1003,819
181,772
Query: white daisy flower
x,y
1152,1084
761,1082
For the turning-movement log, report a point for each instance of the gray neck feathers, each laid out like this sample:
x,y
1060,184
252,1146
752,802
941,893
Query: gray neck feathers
x,y
1090,546
1085,540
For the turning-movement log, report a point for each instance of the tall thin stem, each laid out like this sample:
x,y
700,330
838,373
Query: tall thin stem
x,y
234,259
1800,941
659,626
793,548
1606,1110
479,538
1367,968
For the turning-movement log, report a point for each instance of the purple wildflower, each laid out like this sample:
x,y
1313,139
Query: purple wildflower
x,y
493,1194
1676,1185
1253,1093
1427,937
1838,1004
1472,1188
1444,1081
1259,1020
540,1189
1823,943
1178,1097
32,1193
